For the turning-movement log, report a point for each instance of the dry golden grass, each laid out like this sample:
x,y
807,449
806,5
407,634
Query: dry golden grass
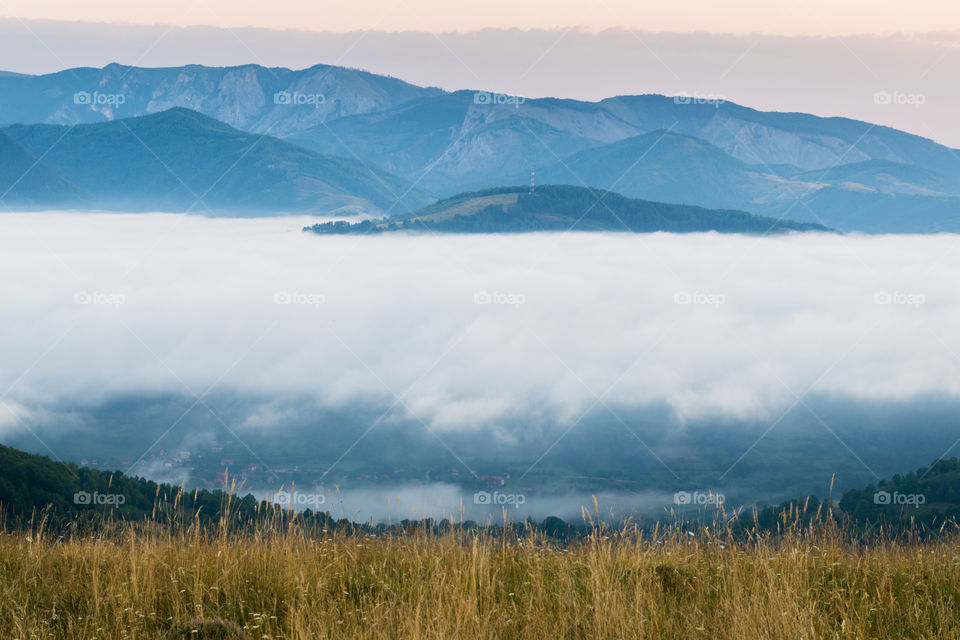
x,y
280,583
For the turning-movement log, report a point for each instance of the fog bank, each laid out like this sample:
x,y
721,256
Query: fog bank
x,y
470,332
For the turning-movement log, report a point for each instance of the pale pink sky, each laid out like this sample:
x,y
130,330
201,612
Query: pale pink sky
x,y
782,17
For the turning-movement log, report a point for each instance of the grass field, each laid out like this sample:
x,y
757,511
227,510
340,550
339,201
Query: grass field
x,y
281,583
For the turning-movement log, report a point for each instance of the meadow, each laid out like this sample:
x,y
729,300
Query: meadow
x,y
279,581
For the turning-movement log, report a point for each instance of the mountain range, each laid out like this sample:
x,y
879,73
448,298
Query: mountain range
x,y
251,97
839,172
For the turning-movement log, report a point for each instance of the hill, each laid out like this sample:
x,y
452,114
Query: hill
x,y
27,181
180,160
929,495
564,208
78,498
922,502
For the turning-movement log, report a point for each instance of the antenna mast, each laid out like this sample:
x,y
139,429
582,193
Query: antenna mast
x,y
532,182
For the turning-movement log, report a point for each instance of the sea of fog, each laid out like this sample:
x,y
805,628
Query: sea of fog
x,y
466,334
443,501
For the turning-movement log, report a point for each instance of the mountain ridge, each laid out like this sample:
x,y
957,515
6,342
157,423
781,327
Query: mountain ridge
x,y
180,160
243,96
779,164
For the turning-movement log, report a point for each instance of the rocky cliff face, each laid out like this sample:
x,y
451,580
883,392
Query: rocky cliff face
x,y
253,98
757,143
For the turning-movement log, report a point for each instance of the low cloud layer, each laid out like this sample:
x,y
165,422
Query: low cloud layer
x,y
446,501
469,332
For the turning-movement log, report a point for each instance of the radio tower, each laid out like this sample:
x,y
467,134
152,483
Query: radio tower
x,y
532,175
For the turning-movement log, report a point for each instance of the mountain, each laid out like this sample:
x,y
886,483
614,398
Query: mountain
x,y
251,97
459,131
873,196
852,207
665,166
846,174
27,181
450,143
180,160
801,140
75,497
564,208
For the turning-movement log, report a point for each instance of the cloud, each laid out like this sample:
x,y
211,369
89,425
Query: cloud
x,y
102,306
489,506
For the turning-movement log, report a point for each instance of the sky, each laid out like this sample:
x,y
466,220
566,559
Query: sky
x,y
783,17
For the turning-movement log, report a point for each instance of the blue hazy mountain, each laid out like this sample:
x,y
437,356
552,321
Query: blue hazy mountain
x,y
464,134
844,173
841,172
873,195
251,97
28,182
180,160
450,143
